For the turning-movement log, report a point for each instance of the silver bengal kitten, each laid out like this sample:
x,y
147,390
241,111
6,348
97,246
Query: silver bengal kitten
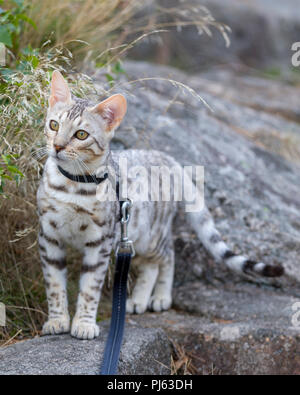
x,y
78,135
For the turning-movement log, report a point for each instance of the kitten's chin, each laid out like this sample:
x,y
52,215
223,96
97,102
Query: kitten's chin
x,y
72,167
58,158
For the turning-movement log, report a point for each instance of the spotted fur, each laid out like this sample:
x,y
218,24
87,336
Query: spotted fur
x,y
70,214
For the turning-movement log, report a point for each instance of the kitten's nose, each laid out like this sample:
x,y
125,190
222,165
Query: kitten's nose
x,y
58,148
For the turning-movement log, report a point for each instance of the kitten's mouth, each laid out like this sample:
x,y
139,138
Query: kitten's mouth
x,y
56,156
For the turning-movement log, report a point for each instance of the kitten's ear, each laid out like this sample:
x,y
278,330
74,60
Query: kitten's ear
x,y
60,91
112,110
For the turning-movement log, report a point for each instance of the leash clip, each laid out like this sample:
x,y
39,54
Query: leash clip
x,y
125,245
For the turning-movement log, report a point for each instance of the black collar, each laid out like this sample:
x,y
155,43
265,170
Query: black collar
x,y
84,178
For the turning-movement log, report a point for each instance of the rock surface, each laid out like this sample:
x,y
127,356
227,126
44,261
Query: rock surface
x,y
251,157
249,146
233,345
143,352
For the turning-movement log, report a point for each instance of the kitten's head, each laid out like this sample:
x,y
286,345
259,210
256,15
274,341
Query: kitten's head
x,y
78,133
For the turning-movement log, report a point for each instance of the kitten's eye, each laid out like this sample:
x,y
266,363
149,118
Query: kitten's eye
x,y
54,125
81,135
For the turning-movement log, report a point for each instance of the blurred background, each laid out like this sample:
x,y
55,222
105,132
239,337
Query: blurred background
x,y
235,50
262,33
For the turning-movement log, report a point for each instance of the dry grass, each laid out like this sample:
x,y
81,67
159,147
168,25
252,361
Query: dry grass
x,y
21,277
182,361
96,22
103,24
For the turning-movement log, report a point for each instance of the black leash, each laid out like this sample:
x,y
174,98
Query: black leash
x,y
124,253
115,336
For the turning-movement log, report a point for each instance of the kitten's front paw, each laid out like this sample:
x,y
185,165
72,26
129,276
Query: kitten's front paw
x,y
135,307
160,303
56,326
84,330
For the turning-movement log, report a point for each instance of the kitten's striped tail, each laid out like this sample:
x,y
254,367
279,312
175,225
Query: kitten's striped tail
x,y
204,226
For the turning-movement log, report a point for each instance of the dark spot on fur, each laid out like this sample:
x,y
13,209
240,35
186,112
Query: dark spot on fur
x,y
60,188
77,109
98,223
215,238
51,240
85,192
273,271
249,266
91,268
59,264
95,243
42,248
53,224
81,210
228,254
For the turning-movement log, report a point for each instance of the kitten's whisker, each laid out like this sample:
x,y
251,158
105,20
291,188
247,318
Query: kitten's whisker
x,y
38,152
76,167
39,155
86,167
82,169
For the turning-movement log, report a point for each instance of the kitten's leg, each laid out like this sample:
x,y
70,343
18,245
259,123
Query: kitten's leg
x,y
55,273
147,275
93,271
162,295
